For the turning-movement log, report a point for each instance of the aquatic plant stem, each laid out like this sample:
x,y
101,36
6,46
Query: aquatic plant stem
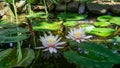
x,y
19,52
29,7
37,56
65,7
32,36
46,11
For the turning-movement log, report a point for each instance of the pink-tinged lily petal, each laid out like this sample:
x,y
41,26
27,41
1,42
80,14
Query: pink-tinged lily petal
x,y
59,47
39,47
87,37
52,50
78,41
60,43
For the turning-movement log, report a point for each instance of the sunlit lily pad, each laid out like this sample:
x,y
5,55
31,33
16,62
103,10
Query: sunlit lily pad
x,y
104,18
71,16
37,15
102,31
102,24
115,20
88,27
70,23
46,26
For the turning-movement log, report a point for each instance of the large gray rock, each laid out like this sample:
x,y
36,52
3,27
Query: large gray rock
x,y
81,8
60,7
115,9
96,8
73,6
66,1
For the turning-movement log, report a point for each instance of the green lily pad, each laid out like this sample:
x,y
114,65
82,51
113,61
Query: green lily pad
x,y
88,27
71,16
104,18
9,58
104,32
115,20
46,26
37,15
102,24
70,23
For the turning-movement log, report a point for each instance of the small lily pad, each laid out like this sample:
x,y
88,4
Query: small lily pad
x,y
70,23
104,18
71,16
102,24
104,32
46,26
115,20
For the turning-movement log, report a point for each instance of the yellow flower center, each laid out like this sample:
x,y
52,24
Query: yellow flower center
x,y
51,40
78,34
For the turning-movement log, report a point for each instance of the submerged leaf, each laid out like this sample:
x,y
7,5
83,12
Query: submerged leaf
x,y
11,59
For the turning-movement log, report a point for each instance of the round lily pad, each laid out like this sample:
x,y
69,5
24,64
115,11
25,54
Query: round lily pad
x,y
104,18
115,20
104,32
70,23
46,26
88,27
101,24
71,16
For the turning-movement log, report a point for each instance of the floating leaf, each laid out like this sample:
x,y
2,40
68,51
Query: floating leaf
x,y
71,16
102,24
104,18
80,60
37,15
102,31
70,23
87,27
115,20
46,26
5,39
11,59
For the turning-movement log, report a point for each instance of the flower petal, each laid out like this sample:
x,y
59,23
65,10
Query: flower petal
x,y
87,37
39,47
52,50
60,43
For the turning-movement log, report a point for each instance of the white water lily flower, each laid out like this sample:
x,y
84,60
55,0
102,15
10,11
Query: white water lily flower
x,y
51,43
78,35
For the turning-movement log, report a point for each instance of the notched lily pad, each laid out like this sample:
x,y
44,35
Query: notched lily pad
x,y
104,32
101,24
104,18
71,16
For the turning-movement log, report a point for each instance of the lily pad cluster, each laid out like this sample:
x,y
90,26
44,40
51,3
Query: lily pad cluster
x,y
102,25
